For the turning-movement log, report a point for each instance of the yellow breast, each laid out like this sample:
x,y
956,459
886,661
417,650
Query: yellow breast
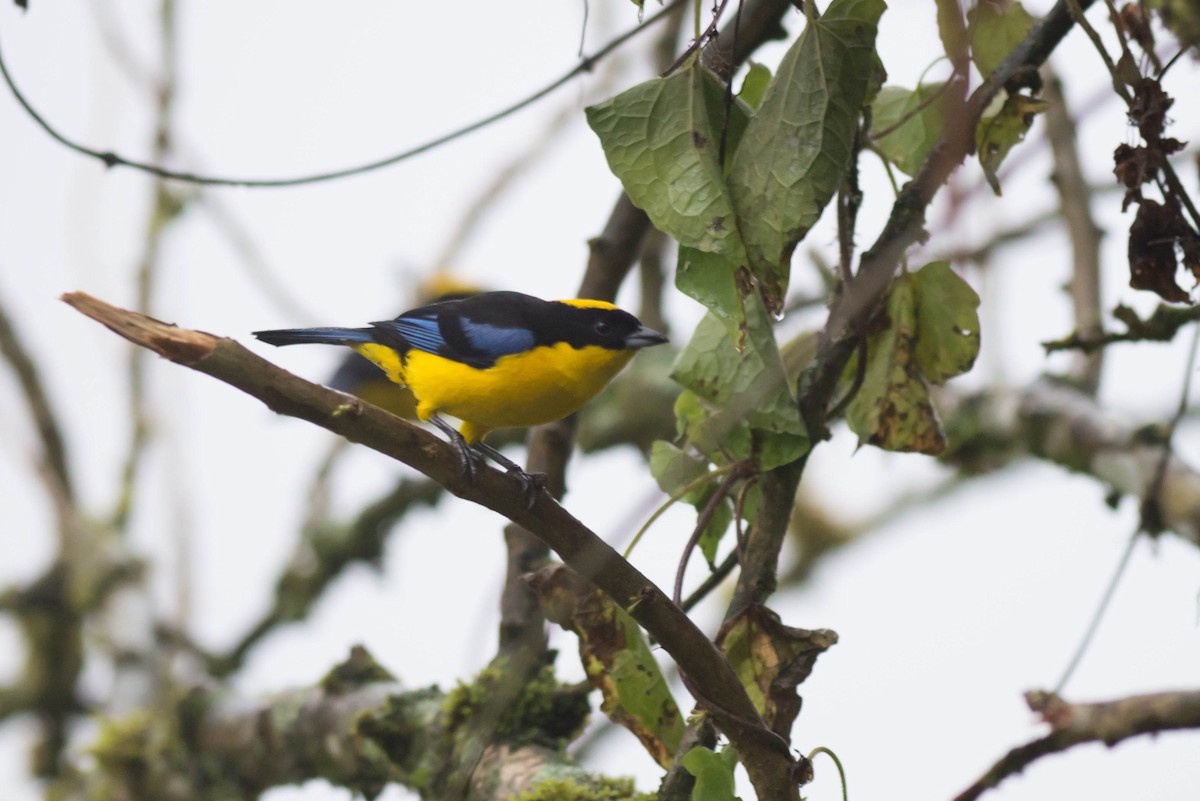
x,y
523,389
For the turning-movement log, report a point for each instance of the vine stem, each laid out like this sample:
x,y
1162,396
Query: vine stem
x,y
694,484
820,749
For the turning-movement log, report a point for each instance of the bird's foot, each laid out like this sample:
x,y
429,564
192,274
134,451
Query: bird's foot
x,y
531,483
472,455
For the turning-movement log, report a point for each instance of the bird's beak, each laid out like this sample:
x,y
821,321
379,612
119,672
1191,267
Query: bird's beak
x,y
643,338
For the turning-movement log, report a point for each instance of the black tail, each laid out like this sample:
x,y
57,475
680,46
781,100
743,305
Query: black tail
x,y
326,336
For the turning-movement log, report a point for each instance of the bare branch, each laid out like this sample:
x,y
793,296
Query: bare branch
x,y
1056,422
1107,722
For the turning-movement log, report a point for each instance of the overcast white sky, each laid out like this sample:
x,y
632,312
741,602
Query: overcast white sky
x,y
946,615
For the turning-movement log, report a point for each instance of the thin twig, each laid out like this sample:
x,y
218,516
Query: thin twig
x,y
713,581
111,159
703,519
1151,515
709,34
924,104
1077,13
1101,609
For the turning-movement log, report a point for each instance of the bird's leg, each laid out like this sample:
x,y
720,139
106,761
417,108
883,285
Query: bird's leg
x,y
531,482
466,455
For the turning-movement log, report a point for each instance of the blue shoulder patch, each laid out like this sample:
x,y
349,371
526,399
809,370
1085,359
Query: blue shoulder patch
x,y
497,341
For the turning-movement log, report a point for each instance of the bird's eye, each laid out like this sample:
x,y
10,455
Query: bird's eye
x,y
602,327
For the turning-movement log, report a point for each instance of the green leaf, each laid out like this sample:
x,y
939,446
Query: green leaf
x,y
710,538
674,469
710,365
713,771
998,133
994,28
661,139
797,145
947,323
744,390
905,124
892,408
713,281
714,432
754,85
952,32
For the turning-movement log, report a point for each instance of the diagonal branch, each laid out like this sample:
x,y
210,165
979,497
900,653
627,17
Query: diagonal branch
x,y
766,757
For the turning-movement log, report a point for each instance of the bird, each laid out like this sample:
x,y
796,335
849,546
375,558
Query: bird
x,y
493,360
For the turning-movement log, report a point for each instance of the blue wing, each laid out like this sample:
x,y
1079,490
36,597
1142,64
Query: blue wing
x,y
497,341
443,329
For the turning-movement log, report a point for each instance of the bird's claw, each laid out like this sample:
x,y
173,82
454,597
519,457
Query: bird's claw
x,y
531,485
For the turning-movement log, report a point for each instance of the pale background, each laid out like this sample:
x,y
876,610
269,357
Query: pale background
x,y
945,615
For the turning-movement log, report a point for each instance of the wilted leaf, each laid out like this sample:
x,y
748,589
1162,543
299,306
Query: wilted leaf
x,y
1152,258
616,657
772,659
998,133
713,772
661,138
995,27
1136,19
893,409
1149,109
905,124
947,323
798,143
1135,166
931,335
